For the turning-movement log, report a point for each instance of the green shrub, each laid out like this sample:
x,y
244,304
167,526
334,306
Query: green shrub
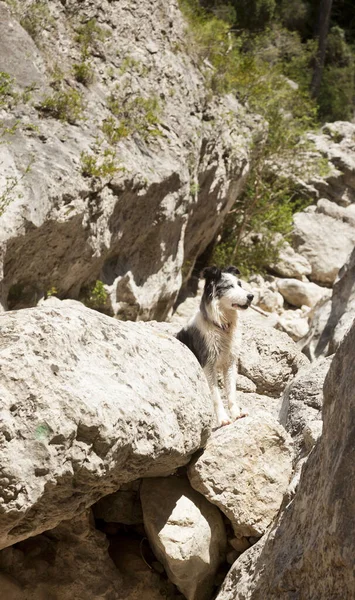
x,y
36,18
83,72
6,88
95,296
105,165
89,34
65,105
133,115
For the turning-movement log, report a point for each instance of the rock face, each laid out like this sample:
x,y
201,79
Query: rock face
x,y
336,142
245,470
81,215
310,552
301,410
186,532
86,409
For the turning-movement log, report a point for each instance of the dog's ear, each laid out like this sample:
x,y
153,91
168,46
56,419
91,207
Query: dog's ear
x,y
233,270
210,273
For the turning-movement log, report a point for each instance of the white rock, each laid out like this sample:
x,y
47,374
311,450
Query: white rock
x,y
291,264
325,242
245,470
294,324
266,356
186,532
309,553
299,293
85,408
302,404
332,320
270,301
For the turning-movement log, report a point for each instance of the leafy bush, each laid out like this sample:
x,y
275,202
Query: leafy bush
x,y
83,72
36,18
95,296
133,115
66,105
99,166
89,34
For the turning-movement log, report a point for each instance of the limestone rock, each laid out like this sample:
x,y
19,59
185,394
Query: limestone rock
x,y
72,561
291,264
302,404
186,532
245,470
294,323
301,293
86,409
270,301
136,229
310,551
335,142
331,321
325,242
268,357
123,506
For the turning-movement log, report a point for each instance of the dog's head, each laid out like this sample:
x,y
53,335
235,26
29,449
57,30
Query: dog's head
x,y
223,285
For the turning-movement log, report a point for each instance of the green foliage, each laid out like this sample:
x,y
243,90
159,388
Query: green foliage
x,y
65,105
52,291
251,67
95,296
6,88
254,14
36,18
83,72
103,165
11,190
89,34
133,115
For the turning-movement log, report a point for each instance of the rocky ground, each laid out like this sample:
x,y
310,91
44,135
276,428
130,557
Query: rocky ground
x,y
114,482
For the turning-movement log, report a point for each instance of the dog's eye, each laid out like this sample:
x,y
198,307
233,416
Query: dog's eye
x,y
240,283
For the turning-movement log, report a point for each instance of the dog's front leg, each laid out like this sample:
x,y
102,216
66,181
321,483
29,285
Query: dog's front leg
x,y
221,415
230,386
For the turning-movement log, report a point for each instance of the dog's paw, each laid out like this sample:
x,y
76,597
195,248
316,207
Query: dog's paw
x,y
223,419
237,413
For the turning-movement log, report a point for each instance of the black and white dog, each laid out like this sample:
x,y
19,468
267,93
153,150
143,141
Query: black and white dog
x,y
211,335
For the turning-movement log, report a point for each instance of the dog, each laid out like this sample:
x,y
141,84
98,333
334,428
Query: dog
x,y
212,335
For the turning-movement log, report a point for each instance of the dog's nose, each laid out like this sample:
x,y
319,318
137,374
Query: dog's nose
x,y
250,297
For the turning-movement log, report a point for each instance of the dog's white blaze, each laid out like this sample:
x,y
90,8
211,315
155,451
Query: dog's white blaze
x,y
234,295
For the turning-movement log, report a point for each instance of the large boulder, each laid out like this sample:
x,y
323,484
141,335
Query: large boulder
x,y
89,403
268,357
245,470
310,551
104,201
333,319
301,293
301,410
290,263
325,241
186,532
